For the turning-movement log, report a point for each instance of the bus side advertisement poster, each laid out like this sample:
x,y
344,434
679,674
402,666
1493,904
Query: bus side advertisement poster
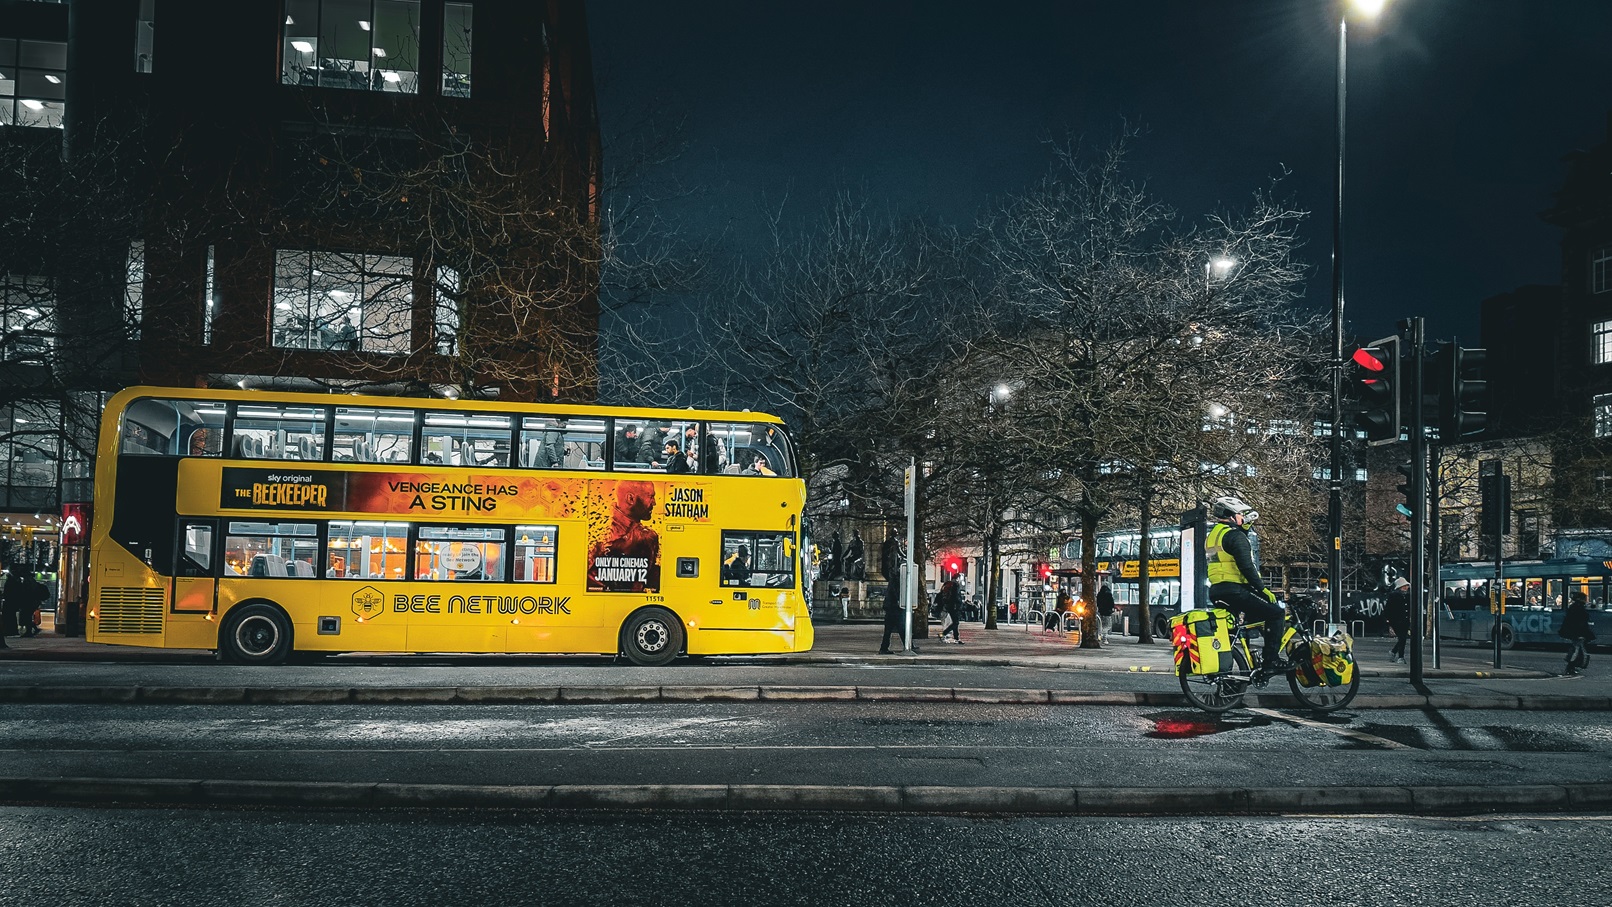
x,y
624,516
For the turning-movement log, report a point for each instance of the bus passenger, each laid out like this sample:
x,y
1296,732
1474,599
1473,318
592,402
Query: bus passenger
x,y
675,461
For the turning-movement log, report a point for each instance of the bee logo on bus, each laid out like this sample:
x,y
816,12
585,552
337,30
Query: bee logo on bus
x,y
368,603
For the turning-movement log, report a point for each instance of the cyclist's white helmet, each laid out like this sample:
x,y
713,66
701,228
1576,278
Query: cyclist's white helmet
x,y
1227,506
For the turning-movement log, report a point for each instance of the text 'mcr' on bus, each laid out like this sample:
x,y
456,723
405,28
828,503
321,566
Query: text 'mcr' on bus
x,y
266,524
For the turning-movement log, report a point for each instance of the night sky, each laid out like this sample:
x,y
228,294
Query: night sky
x,y
1459,115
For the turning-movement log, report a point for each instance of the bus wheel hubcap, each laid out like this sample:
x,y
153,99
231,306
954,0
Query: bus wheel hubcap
x,y
651,636
257,635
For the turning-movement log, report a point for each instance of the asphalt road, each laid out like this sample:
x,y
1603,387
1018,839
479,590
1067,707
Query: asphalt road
x,y
70,857
813,743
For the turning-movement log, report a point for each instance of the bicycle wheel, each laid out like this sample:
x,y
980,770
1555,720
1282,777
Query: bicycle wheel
x,y
1218,693
1323,698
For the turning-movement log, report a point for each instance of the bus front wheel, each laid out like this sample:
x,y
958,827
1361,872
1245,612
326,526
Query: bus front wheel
x,y
256,634
652,637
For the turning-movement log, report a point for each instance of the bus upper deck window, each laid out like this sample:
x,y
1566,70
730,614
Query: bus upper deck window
x,y
279,432
373,435
466,439
175,428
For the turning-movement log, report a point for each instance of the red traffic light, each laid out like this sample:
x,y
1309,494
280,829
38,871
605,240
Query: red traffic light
x,y
954,565
1366,358
1044,571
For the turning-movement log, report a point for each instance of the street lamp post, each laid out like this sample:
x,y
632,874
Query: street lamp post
x,y
1369,9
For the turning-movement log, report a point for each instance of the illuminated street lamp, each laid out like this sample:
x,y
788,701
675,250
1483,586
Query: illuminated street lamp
x,y
1366,10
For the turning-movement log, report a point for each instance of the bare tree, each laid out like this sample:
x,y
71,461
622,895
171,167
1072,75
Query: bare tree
x,y
1140,357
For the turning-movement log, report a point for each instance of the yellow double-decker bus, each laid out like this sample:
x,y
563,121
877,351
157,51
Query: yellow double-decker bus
x,y
268,524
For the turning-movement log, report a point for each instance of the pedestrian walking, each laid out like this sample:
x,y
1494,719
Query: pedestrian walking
x,y
950,602
894,618
13,596
1105,611
1397,610
1576,630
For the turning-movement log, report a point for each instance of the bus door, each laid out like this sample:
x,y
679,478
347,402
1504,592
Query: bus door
x,y
194,587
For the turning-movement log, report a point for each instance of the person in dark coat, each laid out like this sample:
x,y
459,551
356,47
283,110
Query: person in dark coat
x,y
836,557
950,603
1397,610
1576,630
15,596
894,618
1105,611
676,462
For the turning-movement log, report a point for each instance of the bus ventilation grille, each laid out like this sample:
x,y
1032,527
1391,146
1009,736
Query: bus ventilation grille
x,y
131,610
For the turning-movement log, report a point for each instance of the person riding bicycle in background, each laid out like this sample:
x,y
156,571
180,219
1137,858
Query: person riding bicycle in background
x,y
1234,577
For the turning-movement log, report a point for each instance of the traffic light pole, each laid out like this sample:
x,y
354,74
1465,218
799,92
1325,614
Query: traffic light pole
x,y
1418,562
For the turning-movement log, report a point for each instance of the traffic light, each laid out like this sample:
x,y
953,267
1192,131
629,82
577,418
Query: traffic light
x,y
953,565
1374,374
1494,513
1044,571
1407,489
1463,396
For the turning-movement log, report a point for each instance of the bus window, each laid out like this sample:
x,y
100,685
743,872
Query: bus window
x,y
750,449
372,435
465,439
758,559
281,550
460,553
628,447
561,442
654,437
279,432
177,428
366,549
535,548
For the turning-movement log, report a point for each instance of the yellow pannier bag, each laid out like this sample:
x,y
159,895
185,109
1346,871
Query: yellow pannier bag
x,y
1329,662
1202,641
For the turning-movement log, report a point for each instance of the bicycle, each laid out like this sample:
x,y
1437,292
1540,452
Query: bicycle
x,y
1223,691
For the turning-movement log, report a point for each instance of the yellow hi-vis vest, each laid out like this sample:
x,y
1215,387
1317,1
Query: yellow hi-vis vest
x,y
1222,567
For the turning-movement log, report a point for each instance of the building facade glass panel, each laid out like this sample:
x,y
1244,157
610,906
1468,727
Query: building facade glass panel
x,y
33,82
1601,270
456,25
27,319
145,35
343,301
1601,342
1603,416
365,45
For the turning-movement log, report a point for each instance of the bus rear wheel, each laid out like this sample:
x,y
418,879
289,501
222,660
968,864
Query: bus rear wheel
x,y
256,634
651,637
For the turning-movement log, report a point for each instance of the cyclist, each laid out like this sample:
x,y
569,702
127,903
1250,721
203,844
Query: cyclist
x,y
1234,576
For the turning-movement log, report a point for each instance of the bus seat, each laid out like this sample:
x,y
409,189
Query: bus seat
x,y
306,449
267,565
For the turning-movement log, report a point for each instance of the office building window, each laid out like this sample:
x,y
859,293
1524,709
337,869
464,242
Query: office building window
x,y
144,33
30,453
445,317
27,319
367,45
456,50
33,76
341,301
1601,270
1601,342
1603,416
134,288
207,301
